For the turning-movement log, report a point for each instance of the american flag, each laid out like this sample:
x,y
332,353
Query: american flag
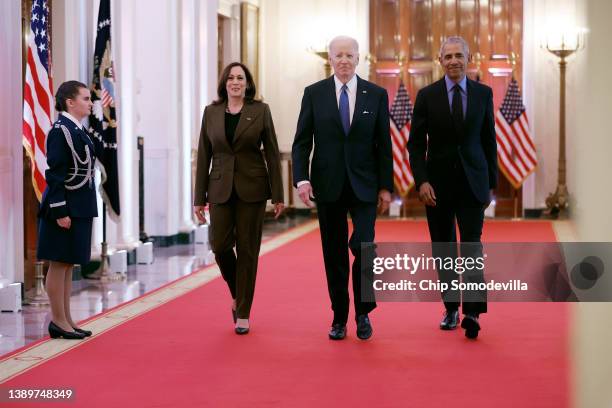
x,y
107,97
400,116
38,107
516,150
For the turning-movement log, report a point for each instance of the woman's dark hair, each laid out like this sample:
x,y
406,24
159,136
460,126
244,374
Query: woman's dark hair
x,y
251,90
67,90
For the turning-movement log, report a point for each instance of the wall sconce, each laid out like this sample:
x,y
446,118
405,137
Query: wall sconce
x,y
325,56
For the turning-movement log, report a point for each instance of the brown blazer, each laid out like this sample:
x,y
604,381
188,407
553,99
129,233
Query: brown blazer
x,y
242,164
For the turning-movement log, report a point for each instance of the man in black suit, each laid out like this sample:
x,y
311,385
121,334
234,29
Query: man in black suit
x,y
347,118
453,156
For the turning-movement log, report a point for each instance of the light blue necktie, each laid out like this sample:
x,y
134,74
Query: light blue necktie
x,y
344,110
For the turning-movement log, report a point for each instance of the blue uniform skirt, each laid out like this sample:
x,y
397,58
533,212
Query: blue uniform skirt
x,y
71,246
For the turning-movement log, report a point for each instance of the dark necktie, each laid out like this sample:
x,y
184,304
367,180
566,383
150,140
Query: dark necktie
x,y
344,110
457,107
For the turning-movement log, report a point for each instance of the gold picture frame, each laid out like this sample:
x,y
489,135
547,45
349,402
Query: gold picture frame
x,y
249,39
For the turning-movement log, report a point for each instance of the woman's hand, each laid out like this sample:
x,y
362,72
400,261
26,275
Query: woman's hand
x,y
278,210
198,210
64,222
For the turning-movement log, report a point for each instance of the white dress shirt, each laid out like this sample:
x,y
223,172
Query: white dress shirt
x,y
352,96
351,91
72,119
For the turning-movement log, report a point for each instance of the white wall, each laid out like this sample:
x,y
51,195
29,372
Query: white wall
x,y
165,65
288,29
231,33
541,95
174,69
592,167
11,162
73,38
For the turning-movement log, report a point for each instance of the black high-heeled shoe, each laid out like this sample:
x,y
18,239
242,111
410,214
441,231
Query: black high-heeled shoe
x,y
57,332
86,333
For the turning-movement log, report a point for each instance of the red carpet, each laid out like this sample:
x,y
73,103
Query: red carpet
x,y
185,354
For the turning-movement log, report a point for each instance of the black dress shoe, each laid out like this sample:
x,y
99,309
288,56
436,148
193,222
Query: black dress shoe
x,y
86,333
471,325
242,330
337,332
364,327
57,332
450,320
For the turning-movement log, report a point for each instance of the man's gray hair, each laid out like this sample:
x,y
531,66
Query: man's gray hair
x,y
343,38
455,40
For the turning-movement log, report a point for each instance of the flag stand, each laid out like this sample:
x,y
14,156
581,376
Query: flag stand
x,y
37,296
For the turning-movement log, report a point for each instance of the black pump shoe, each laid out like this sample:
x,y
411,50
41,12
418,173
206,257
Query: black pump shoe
x,y
57,332
86,333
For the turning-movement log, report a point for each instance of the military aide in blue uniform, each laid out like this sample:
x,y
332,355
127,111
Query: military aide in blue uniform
x,y
68,204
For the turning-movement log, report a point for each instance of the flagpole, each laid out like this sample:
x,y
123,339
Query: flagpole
x,y
102,272
104,131
515,193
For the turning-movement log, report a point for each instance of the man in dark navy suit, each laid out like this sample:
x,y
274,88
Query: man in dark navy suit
x,y
347,118
453,156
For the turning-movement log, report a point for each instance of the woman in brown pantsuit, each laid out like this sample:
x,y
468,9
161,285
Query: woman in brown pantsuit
x,y
240,181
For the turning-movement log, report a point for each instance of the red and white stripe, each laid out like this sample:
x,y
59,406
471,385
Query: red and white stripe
x,y
515,148
37,115
402,173
107,99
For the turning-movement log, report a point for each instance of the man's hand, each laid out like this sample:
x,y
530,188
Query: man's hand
x,y
427,194
64,222
278,210
305,193
198,210
384,199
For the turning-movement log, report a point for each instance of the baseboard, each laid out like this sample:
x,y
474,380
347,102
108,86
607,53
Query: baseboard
x,y
533,213
163,241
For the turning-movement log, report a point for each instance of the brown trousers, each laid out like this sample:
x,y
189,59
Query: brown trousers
x,y
238,223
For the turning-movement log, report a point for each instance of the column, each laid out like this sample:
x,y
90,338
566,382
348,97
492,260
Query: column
x,y
11,162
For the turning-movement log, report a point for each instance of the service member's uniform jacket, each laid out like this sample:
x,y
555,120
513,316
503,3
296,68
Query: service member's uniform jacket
x,y
71,156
